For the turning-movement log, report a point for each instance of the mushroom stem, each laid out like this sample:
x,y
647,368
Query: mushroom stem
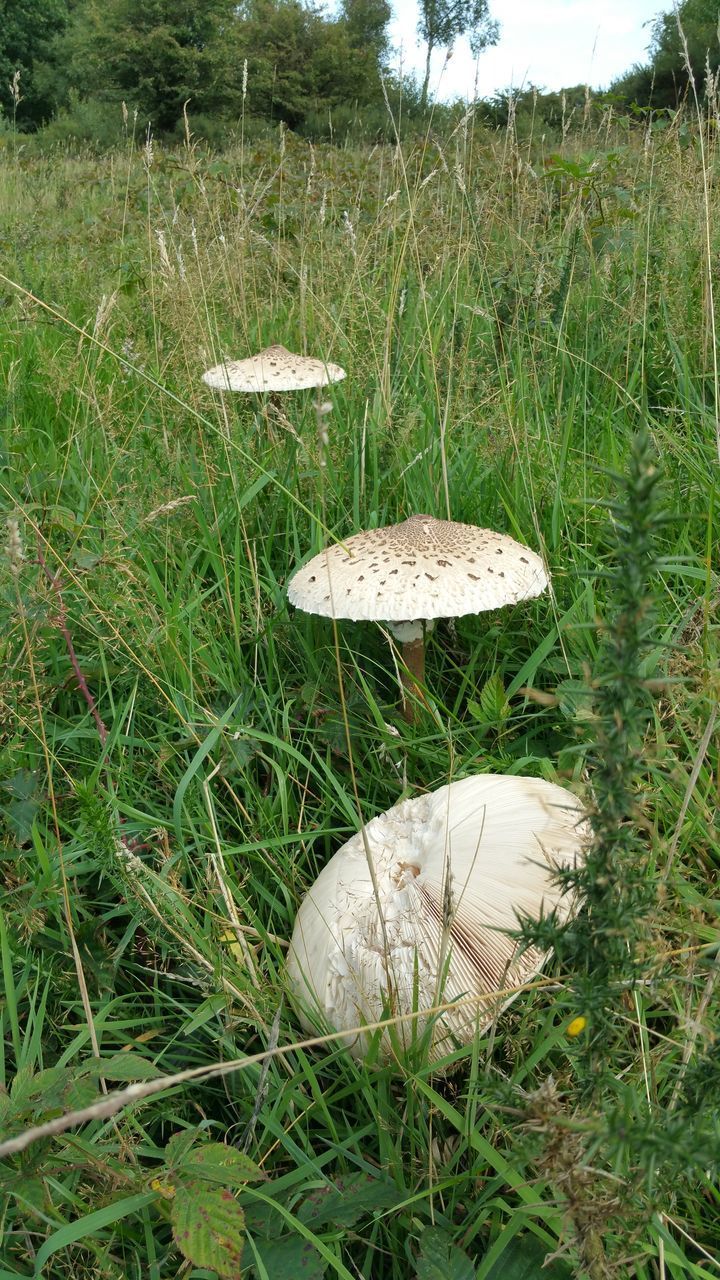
x,y
413,676
272,405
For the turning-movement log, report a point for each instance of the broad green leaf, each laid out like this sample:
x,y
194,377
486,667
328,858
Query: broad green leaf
x,y
574,699
524,1259
22,785
178,1146
20,815
209,1228
291,1257
86,559
494,705
29,1190
79,1092
440,1259
215,1162
41,1091
6,1108
125,1066
349,1199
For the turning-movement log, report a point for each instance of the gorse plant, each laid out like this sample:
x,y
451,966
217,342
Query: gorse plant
x,y
609,1150
606,947
611,936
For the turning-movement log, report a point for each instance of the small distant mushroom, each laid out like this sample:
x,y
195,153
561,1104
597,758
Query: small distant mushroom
x,y
274,369
407,575
277,370
427,923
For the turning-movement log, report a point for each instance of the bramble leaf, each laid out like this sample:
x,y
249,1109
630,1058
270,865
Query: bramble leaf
x,y
440,1259
209,1228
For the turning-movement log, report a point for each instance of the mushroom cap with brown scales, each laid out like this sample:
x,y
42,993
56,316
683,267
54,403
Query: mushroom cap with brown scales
x,y
431,922
421,569
274,369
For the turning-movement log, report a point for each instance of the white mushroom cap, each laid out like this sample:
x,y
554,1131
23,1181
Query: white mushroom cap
x,y
453,868
274,369
422,568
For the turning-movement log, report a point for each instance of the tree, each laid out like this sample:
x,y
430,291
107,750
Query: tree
x,y
156,54
301,63
153,54
663,82
366,24
27,28
442,21
699,22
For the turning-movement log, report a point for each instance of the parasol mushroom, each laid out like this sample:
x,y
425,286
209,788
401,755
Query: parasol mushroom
x,y
272,370
277,370
407,575
427,923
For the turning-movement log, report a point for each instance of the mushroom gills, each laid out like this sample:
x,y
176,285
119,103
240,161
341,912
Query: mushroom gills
x,y
453,870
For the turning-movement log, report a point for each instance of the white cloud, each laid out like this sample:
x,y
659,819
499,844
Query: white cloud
x,y
549,43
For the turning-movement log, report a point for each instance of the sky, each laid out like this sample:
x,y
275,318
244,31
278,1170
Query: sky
x,y
549,43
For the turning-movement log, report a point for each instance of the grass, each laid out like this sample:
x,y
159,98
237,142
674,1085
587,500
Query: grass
x,y
509,317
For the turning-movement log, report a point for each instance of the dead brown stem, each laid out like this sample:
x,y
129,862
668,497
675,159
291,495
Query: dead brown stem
x,y
413,677
54,580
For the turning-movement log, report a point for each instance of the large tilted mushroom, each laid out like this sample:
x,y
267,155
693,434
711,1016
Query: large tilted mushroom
x,y
409,574
274,369
426,923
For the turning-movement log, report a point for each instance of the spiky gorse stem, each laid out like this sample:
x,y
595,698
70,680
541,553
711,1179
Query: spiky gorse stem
x,y
603,948
615,882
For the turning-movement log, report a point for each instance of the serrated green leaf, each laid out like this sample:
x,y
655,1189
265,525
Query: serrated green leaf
x,y
56,1089
20,815
493,700
349,1199
524,1259
574,699
209,1228
6,1108
441,1259
35,1090
125,1066
29,1189
79,1092
86,559
22,785
291,1258
215,1162
178,1146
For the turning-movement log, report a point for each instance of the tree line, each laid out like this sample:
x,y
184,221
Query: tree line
x,y
274,59
283,60
685,46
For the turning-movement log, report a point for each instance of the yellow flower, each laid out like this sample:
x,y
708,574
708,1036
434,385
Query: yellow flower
x,y
165,1189
576,1026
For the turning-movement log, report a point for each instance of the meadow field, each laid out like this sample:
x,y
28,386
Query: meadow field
x,y
528,327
